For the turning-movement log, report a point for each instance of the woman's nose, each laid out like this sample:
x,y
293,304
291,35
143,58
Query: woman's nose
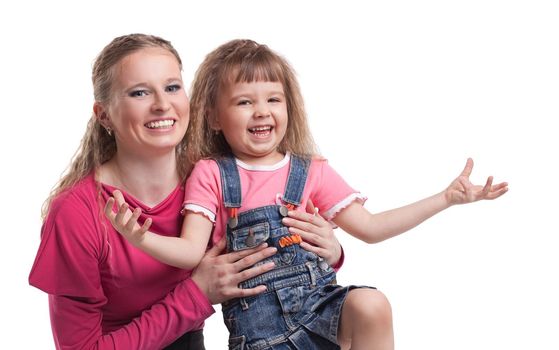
x,y
161,102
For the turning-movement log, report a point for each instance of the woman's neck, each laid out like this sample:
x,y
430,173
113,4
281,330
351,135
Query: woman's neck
x,y
149,180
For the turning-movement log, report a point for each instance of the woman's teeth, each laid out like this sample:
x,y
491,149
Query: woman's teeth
x,y
160,124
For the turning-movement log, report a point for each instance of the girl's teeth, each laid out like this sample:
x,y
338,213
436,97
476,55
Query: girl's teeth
x,y
260,129
160,124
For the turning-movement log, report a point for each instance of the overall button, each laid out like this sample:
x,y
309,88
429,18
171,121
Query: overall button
x,y
283,210
233,222
322,264
250,241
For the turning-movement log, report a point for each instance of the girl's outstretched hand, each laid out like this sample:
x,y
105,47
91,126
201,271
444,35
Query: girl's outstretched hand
x,y
462,191
317,233
125,221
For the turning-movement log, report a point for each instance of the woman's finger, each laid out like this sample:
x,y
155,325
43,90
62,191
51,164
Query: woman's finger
x,y
249,260
252,272
217,249
235,257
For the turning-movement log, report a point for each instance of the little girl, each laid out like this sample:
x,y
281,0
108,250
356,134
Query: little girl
x,y
257,164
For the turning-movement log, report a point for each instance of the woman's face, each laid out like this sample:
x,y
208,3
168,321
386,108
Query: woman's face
x,y
149,109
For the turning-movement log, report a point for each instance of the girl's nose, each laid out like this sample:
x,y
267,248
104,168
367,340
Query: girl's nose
x,y
262,111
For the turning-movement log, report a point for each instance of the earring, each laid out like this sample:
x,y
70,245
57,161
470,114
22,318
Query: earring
x,y
109,131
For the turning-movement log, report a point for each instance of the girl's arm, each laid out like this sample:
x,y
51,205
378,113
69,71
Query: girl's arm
x,y
184,252
373,228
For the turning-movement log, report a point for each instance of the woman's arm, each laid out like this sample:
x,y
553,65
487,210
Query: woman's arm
x,y
76,321
373,228
71,261
183,252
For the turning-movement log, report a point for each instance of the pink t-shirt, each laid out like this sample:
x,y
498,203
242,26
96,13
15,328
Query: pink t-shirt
x,y
103,292
264,185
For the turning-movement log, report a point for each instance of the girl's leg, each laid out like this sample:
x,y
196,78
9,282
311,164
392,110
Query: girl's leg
x,y
366,321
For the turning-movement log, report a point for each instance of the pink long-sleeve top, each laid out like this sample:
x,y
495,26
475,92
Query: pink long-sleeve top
x,y
103,292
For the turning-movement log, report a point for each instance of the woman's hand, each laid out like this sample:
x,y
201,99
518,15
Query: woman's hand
x,y
462,191
317,233
125,221
218,276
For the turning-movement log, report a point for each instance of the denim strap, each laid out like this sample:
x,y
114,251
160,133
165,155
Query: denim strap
x,y
298,170
230,181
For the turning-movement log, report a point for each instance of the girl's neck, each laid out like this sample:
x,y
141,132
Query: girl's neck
x,y
149,180
266,160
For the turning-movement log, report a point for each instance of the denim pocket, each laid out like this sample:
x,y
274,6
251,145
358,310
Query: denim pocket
x,y
248,237
291,299
237,343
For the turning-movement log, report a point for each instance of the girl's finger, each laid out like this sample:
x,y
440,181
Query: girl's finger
x,y
118,197
468,168
145,227
314,249
119,218
301,225
487,187
306,236
498,193
133,219
109,208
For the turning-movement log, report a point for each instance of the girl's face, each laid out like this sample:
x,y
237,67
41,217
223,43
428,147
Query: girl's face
x,y
149,109
253,119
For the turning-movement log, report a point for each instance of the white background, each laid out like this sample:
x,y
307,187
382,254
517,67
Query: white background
x,y
399,94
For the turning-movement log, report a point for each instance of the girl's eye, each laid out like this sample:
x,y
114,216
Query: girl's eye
x,y
173,88
274,100
138,93
243,102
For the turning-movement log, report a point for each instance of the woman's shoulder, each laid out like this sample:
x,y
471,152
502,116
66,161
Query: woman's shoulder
x,y
82,196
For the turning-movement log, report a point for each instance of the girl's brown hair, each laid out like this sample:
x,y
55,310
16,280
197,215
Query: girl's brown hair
x,y
243,61
97,146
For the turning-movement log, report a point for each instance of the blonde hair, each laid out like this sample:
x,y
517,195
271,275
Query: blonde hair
x,y
243,61
97,146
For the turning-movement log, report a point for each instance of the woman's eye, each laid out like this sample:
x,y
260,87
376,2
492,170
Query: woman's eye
x,y
173,88
138,93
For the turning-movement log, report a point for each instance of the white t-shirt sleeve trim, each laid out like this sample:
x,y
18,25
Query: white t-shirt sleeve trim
x,y
199,210
331,213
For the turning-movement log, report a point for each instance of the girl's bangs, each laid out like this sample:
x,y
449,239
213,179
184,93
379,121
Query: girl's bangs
x,y
261,66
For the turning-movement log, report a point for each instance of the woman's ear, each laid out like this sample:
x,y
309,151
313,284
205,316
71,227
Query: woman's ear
x,y
101,114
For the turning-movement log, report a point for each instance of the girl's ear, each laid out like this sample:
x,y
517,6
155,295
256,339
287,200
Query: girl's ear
x,y
213,120
101,114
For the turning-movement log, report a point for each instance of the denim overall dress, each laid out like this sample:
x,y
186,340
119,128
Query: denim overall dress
x,y
301,306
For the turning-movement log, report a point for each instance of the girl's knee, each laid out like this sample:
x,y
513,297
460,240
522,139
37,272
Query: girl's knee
x,y
370,306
